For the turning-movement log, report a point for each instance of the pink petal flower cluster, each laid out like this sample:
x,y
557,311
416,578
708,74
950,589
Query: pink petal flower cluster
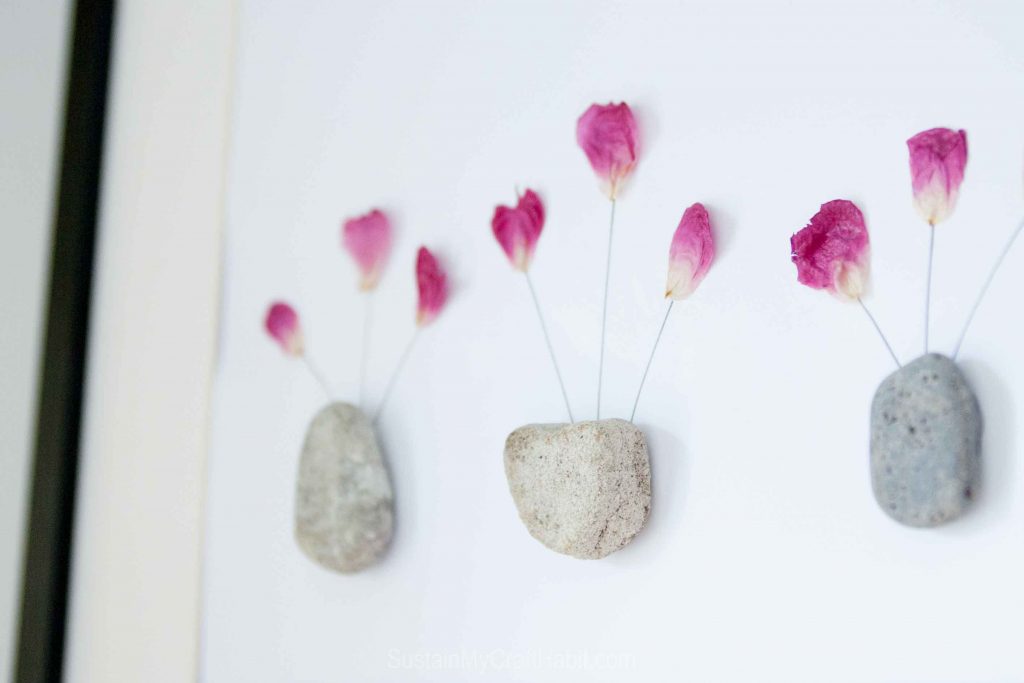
x,y
937,161
832,251
282,324
367,239
608,136
690,254
432,284
518,228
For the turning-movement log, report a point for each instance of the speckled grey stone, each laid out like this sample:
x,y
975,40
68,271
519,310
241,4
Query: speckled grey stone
x,y
344,507
925,442
581,489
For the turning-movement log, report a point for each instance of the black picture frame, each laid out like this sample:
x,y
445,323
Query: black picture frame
x,y
41,631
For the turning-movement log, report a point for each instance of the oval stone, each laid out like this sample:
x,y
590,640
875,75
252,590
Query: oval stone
x,y
582,489
344,506
925,442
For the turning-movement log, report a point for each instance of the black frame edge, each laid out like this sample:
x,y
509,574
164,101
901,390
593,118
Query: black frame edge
x,y
41,635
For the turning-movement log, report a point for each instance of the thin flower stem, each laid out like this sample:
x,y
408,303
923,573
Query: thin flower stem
x,y
604,308
984,287
394,375
551,349
318,376
928,285
365,352
654,348
879,330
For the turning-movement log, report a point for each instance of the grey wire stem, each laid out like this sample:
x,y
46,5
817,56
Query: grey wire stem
x,y
394,375
984,287
317,375
365,351
547,340
928,284
880,333
654,348
604,308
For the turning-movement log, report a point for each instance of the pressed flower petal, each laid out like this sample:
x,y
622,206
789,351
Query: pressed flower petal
x,y
691,253
518,228
432,284
607,133
832,251
368,239
937,161
282,324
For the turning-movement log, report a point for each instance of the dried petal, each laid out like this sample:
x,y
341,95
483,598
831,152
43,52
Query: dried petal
x,y
691,253
608,136
937,160
368,239
282,323
433,287
832,252
518,229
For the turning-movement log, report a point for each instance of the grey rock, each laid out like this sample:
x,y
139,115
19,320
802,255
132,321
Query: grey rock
x,y
925,442
344,507
581,489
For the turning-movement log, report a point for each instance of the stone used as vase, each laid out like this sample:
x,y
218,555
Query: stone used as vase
x,y
582,489
925,442
344,505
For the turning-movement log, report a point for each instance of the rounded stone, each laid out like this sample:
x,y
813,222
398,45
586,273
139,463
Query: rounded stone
x,y
582,489
925,442
344,506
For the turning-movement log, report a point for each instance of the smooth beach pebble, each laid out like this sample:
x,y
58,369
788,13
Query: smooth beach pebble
x,y
582,489
344,506
925,442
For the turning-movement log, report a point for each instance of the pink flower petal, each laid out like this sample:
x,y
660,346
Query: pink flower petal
x,y
608,136
832,252
368,239
282,323
691,253
433,287
937,160
518,229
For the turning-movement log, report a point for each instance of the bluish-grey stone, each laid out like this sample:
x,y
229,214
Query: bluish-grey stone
x,y
344,506
925,442
581,489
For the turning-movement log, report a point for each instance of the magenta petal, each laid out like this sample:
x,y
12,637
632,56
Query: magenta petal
x,y
282,323
691,253
432,284
608,136
832,253
518,229
937,161
368,239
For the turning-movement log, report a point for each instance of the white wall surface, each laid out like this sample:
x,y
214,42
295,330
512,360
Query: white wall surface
x,y
135,574
766,558
33,49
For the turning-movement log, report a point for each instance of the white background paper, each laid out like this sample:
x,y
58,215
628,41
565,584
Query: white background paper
x,y
766,557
